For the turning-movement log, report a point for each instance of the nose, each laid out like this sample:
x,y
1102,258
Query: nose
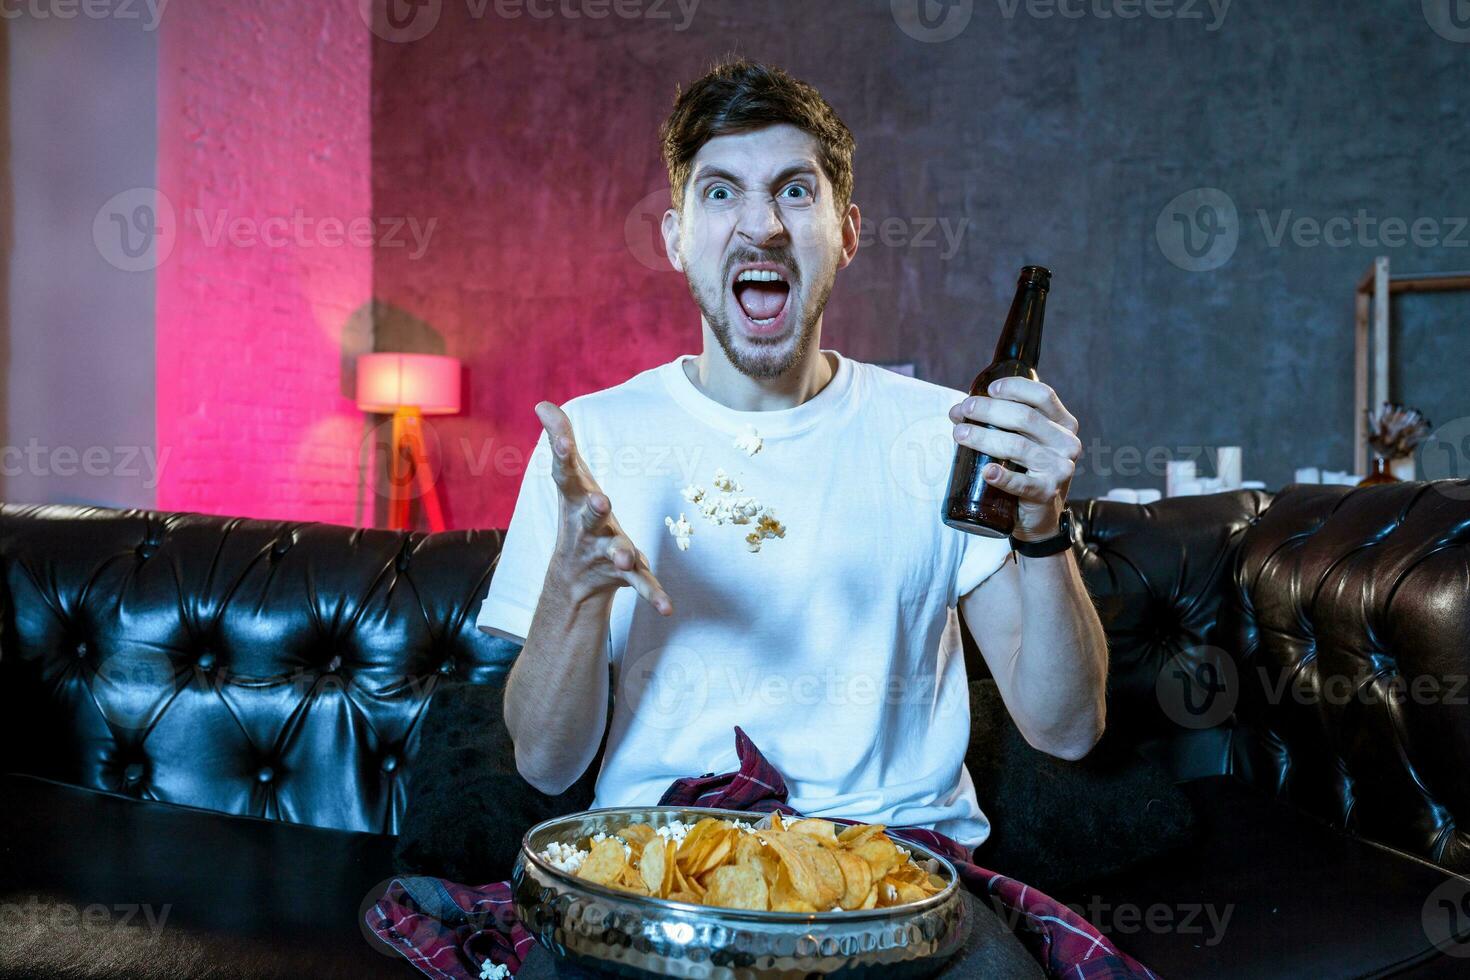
x,y
760,221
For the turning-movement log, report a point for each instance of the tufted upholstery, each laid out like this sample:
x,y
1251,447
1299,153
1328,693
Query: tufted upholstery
x,y
253,667
1352,638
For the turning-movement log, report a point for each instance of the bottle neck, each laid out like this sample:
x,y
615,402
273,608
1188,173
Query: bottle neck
x,y
1020,339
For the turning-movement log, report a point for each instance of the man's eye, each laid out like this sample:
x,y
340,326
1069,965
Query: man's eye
x,y
718,193
796,192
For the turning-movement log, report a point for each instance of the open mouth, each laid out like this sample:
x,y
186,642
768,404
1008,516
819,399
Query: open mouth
x,y
762,292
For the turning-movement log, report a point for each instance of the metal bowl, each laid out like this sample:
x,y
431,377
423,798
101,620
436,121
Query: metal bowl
x,y
616,932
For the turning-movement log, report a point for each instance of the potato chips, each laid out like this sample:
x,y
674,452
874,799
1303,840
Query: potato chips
x,y
803,866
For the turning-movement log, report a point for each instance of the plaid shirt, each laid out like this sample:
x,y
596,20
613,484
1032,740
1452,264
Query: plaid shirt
x,y
448,930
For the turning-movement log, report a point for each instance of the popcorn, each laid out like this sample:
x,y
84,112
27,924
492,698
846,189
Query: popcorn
x,y
564,857
494,971
749,442
731,505
681,529
724,482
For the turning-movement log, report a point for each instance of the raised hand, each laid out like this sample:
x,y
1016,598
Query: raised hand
x,y
592,554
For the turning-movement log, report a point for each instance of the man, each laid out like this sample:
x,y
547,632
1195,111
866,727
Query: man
x,y
808,591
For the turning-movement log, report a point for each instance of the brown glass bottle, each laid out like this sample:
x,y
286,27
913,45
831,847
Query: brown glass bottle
x,y
972,505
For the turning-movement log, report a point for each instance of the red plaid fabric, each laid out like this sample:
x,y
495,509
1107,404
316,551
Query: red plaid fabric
x,y
449,930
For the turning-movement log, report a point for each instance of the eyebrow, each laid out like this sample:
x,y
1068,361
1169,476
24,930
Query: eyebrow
x,y
708,171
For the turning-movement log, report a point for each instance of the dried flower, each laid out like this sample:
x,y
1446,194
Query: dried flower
x,y
1395,431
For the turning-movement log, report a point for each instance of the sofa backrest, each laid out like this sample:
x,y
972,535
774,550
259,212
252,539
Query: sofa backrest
x,y
255,667
1351,636
1159,575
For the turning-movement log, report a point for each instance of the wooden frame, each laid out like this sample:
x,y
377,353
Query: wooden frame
x,y
1371,332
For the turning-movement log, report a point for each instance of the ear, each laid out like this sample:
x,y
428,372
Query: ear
x,y
852,226
670,229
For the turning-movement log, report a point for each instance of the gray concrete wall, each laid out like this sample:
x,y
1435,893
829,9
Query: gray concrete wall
x,y
76,338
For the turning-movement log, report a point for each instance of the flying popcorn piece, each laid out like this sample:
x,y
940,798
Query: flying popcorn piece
x,y
749,442
693,494
753,541
724,482
681,529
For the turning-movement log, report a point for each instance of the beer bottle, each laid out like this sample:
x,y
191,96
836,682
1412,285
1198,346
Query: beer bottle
x,y
972,505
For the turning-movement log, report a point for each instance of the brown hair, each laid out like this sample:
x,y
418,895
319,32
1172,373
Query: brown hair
x,y
737,96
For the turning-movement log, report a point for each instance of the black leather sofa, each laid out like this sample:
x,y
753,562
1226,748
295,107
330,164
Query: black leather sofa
x,y
208,725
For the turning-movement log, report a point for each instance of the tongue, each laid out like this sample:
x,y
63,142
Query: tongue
x,y
762,300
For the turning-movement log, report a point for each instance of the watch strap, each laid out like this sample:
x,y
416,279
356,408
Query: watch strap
x,y
1058,542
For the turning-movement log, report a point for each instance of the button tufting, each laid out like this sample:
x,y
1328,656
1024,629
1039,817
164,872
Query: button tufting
x,y
447,667
133,773
264,774
402,563
206,661
82,650
147,550
279,549
390,763
334,663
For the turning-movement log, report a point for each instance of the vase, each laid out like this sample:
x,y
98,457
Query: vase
x,y
1378,474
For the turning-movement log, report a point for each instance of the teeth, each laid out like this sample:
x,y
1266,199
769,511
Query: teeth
x,y
760,275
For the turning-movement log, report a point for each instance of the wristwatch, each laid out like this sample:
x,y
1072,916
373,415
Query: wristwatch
x,y
1060,541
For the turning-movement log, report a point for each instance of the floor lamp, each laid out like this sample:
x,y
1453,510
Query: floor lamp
x,y
408,387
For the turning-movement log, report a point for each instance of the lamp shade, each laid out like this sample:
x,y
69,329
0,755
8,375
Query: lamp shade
x,y
427,382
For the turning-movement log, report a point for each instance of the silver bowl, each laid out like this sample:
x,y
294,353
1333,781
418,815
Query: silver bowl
x,y
616,932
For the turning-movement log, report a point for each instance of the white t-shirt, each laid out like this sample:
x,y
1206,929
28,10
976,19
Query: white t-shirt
x,y
836,647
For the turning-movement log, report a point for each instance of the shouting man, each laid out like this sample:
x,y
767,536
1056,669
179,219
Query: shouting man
x,y
774,508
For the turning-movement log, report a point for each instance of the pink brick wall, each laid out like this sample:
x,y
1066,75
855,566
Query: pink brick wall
x,y
532,143
263,141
